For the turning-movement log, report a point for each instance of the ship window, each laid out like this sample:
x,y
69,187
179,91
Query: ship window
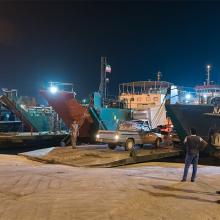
x,y
155,98
148,99
139,99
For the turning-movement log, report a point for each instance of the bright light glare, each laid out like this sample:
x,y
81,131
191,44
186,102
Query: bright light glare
x,y
97,136
53,89
188,96
116,137
205,96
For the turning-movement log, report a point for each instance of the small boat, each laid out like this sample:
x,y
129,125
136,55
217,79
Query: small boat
x,y
23,123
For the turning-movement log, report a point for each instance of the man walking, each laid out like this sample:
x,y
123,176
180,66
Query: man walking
x,y
74,132
193,145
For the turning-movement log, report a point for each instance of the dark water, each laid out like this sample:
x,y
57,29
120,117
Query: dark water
x,y
17,150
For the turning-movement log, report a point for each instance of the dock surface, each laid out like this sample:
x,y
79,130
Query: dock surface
x,y
36,191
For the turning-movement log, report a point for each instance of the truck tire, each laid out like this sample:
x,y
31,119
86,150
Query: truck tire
x,y
141,145
112,146
129,145
157,142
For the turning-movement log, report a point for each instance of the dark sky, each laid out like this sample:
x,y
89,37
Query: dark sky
x,y
56,41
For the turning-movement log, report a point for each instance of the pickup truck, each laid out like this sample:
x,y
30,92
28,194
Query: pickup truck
x,y
128,134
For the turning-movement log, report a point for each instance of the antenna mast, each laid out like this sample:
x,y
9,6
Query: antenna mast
x,y
105,68
159,75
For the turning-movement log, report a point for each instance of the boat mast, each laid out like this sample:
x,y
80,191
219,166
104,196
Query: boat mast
x,y
105,68
159,75
102,87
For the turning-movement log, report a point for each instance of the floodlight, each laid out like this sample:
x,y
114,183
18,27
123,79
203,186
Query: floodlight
x,y
188,96
53,89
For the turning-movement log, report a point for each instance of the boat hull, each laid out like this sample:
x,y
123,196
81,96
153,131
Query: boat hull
x,y
26,139
69,109
199,117
10,126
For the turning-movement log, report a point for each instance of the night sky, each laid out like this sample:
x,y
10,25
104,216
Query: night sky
x,y
56,41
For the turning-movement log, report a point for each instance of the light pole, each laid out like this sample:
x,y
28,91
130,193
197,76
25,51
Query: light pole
x,y
208,74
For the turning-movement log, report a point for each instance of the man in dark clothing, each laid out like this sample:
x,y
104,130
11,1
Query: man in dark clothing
x,y
218,201
193,145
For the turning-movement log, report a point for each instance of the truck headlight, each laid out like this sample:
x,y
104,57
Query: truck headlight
x,y
116,137
97,136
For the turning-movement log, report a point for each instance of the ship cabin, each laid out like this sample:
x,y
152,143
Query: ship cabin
x,y
206,93
143,94
146,100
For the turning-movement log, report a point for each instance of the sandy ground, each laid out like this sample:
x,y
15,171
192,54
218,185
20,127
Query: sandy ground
x,y
31,190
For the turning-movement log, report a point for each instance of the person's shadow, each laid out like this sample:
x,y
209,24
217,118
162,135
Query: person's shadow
x,y
168,189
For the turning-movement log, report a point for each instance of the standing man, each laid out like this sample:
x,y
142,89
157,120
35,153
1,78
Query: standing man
x,y
218,201
74,132
193,145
